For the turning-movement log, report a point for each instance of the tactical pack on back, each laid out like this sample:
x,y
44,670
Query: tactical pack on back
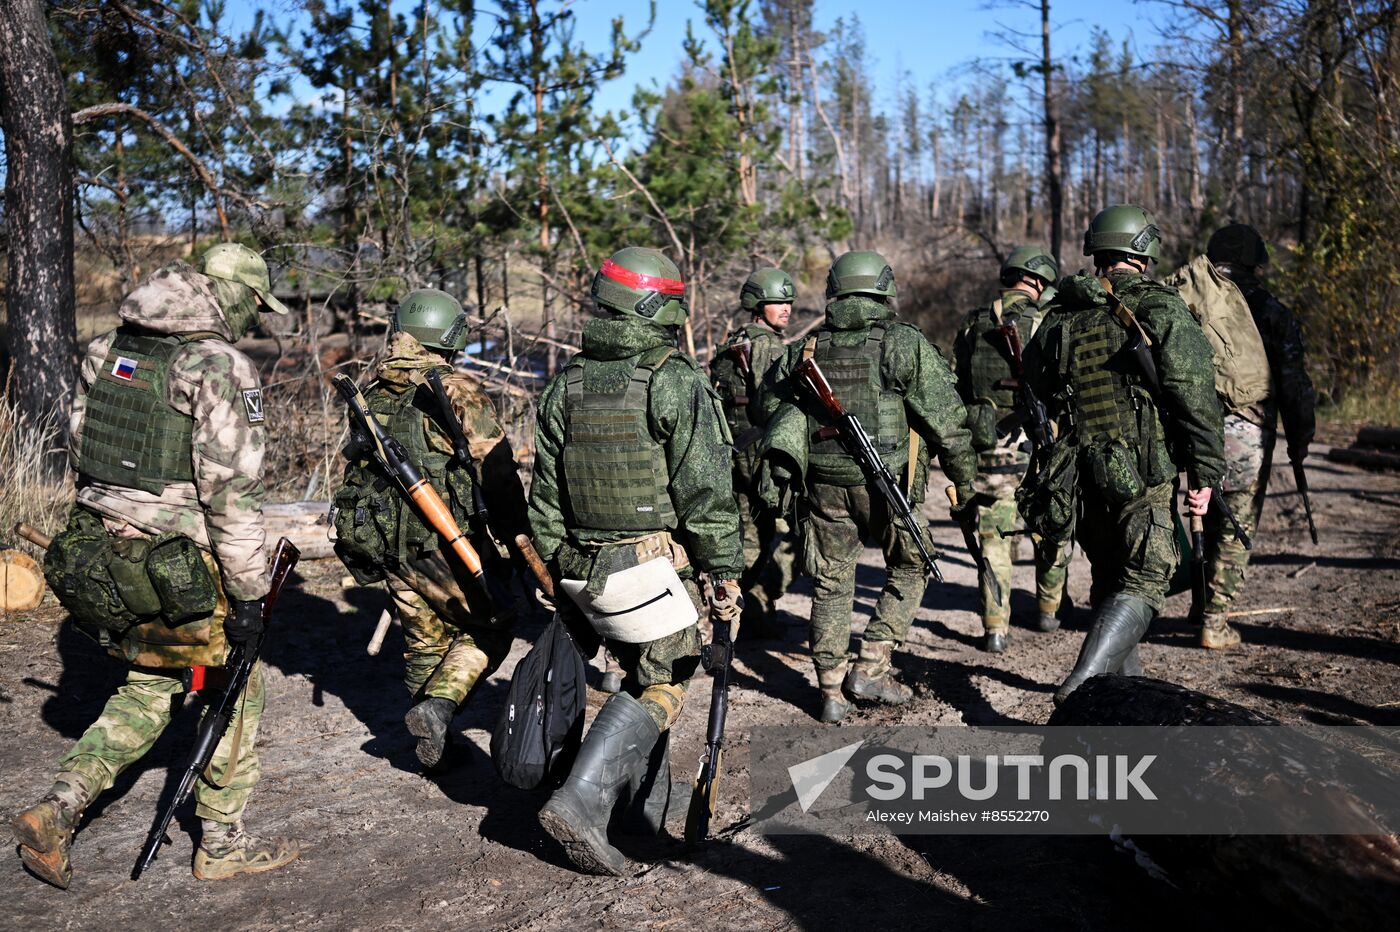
x,y
1241,364
541,723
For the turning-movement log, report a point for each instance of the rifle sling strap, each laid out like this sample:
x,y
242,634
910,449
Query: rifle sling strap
x,y
234,751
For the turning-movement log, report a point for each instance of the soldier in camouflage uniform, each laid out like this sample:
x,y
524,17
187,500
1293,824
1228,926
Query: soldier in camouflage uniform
x,y
897,384
452,642
1238,251
738,370
167,438
983,362
628,503
1122,444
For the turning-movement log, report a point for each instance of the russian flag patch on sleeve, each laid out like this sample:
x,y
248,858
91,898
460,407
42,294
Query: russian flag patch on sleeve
x,y
124,368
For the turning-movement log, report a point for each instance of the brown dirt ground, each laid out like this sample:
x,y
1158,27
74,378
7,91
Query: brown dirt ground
x,y
386,848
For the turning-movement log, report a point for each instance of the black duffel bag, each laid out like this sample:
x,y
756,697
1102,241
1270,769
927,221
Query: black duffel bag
x,y
541,723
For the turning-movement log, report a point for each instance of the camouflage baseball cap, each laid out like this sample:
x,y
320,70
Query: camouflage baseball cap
x,y
234,262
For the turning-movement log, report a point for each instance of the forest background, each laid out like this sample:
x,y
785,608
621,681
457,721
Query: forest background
x,y
502,149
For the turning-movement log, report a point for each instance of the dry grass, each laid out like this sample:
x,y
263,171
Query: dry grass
x,y
27,492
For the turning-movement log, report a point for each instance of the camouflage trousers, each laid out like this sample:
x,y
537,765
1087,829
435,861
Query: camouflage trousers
x,y
764,584
134,718
1132,549
443,660
997,515
1249,453
838,520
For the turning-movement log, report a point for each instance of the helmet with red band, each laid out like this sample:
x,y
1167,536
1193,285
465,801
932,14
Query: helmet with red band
x,y
642,283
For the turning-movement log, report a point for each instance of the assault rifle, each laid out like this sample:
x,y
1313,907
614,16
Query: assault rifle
x,y
1139,346
393,459
460,449
743,358
1300,478
860,446
1038,425
715,658
242,658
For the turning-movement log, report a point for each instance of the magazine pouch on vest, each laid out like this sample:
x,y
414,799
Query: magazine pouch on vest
x,y
131,436
1046,498
856,380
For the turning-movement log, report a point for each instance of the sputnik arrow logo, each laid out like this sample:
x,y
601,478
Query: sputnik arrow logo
x,y
811,777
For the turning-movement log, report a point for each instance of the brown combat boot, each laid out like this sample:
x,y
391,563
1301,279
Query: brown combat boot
x,y
1216,633
45,833
835,705
226,850
872,677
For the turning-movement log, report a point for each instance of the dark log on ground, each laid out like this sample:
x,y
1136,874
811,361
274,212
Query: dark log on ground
x,y
1383,437
1278,881
1370,459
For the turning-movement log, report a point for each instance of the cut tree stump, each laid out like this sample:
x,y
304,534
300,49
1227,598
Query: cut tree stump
x,y
21,582
1288,881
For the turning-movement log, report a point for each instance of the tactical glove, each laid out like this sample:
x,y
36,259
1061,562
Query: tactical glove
x,y
727,604
244,621
966,509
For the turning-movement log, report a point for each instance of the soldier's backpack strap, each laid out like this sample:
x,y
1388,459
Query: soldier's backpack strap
x,y
1123,313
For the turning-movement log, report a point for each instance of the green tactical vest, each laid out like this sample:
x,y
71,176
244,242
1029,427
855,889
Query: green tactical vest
x,y
615,473
989,360
132,437
854,373
1105,397
375,523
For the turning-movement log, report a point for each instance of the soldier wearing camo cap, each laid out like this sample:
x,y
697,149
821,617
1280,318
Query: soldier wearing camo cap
x,y
164,559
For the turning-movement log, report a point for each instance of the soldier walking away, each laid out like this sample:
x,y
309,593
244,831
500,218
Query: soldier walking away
x,y
1238,252
987,374
168,431
737,371
1127,372
901,390
452,642
628,502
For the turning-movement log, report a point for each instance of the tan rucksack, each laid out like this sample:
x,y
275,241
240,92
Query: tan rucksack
x,y
1241,364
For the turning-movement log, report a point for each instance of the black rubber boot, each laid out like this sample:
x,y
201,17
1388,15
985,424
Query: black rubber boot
x,y
1047,621
428,721
649,794
1119,624
614,755
1132,664
996,641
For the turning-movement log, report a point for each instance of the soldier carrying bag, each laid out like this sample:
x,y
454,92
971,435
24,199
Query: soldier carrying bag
x,y
1241,362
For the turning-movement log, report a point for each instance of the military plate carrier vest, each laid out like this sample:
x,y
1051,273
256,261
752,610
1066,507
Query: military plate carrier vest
x,y
1112,415
375,523
132,437
615,472
854,373
734,387
989,359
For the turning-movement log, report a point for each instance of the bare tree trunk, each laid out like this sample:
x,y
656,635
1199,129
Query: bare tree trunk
x,y
1193,155
1234,169
41,339
1054,171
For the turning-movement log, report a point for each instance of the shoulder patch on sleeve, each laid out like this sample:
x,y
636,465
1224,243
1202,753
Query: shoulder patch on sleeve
x,y
253,405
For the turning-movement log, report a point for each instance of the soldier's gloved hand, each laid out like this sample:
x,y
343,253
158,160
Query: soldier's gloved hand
x,y
728,602
244,621
965,511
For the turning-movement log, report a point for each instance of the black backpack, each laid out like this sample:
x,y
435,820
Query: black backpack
x,y
541,723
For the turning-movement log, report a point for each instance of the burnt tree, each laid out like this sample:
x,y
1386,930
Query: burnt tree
x,y
41,337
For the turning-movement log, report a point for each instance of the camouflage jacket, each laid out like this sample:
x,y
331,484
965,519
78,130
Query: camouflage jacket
x,y
403,367
219,388
1293,393
912,366
1192,417
684,417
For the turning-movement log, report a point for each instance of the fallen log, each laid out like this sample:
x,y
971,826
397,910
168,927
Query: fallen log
x,y
1370,459
1382,437
1284,881
305,524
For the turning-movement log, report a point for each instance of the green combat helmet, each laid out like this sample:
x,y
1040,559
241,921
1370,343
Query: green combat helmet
x,y
1238,244
1032,260
642,283
860,272
234,262
766,286
1125,228
434,318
